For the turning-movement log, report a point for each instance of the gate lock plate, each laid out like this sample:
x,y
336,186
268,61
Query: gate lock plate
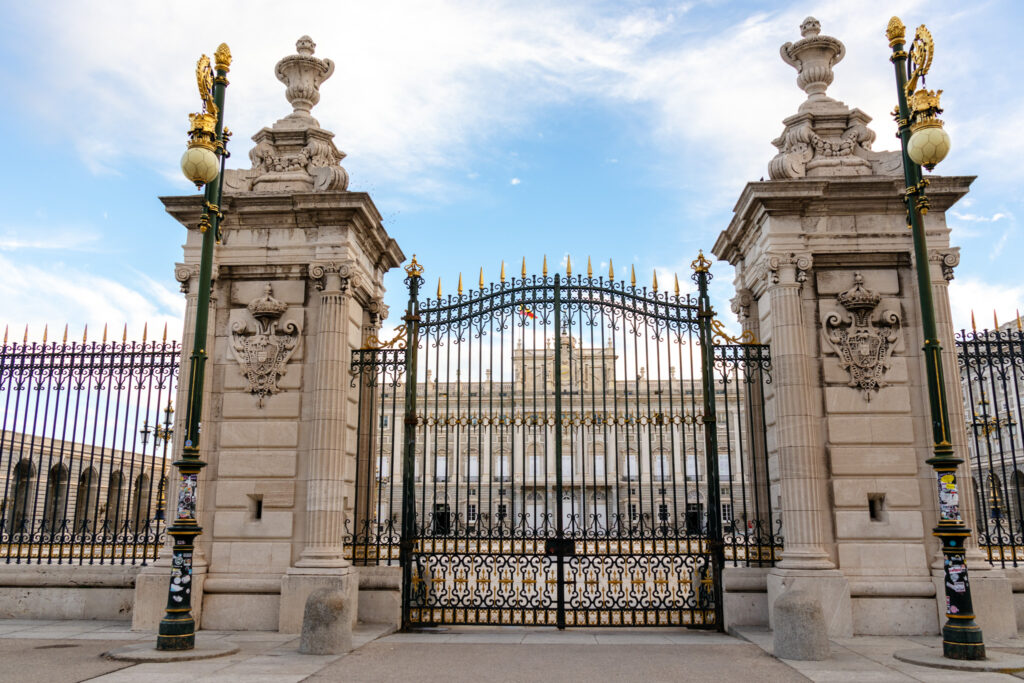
x,y
560,547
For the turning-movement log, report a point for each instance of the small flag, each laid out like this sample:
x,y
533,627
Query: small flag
x,y
526,312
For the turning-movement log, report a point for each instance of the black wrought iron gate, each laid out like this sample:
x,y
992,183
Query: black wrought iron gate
x,y
559,460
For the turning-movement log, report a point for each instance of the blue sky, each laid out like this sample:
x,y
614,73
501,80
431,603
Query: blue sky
x,y
483,130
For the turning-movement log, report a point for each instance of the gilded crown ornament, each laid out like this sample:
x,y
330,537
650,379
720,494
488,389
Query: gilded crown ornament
x,y
200,163
267,307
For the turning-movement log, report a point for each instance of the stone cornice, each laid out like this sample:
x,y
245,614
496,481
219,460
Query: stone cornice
x,y
859,195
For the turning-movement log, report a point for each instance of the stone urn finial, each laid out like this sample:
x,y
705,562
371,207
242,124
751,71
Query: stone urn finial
x,y
813,57
303,73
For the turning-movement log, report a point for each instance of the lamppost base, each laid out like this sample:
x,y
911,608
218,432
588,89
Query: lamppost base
x,y
962,641
177,634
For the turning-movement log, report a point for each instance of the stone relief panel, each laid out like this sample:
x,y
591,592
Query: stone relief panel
x,y
863,341
263,349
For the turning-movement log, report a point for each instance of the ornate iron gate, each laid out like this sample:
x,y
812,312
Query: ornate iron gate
x,y
559,461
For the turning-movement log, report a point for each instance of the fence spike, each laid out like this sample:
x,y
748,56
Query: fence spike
x,y
460,284
65,333
995,319
124,334
611,271
568,265
590,269
85,333
438,289
145,329
677,284
544,270
481,277
104,333
1018,320
655,280
7,327
632,275
503,271
46,332
974,326
524,267
165,333
25,340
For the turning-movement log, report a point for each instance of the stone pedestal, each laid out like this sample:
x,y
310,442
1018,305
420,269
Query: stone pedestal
x,y
298,583
298,281
825,274
150,600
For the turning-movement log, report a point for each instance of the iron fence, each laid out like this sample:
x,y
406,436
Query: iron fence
x,y
84,442
992,378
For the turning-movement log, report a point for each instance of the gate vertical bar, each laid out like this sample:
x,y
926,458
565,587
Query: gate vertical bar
x,y
414,280
705,314
559,522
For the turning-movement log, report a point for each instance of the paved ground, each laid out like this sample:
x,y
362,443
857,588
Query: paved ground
x,y
59,651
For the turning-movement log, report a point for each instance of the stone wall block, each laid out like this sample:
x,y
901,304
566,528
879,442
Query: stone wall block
x,y
899,492
256,463
850,400
858,461
870,430
260,434
898,524
241,524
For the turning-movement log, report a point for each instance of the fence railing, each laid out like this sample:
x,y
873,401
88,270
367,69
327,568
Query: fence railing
x,y
84,449
992,379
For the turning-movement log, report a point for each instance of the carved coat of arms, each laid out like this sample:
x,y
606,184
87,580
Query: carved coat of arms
x,y
263,352
864,346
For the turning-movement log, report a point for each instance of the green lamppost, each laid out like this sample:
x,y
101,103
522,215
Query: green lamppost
x,y
925,143
203,164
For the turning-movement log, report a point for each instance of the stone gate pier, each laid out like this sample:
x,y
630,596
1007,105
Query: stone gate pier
x,y
825,274
298,285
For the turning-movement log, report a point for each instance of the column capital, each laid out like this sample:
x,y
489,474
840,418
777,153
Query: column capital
x,y
741,303
785,268
185,273
330,277
947,259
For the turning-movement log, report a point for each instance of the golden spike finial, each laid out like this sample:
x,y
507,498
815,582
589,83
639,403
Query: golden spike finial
x,y
438,288
46,332
632,275
85,333
25,338
974,326
655,280
104,333
677,283
6,329
460,284
481,277
568,265
65,333
611,270
524,266
590,269
896,32
1018,320
145,329
222,57
544,270
124,334
503,272
995,319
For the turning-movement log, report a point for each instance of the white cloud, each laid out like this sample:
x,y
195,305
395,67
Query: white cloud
x,y
515,181
967,293
56,239
974,218
38,296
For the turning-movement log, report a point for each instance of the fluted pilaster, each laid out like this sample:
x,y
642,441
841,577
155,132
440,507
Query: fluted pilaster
x,y
800,460
326,467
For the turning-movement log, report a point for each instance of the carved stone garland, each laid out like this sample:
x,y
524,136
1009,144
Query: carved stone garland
x,y
263,352
864,346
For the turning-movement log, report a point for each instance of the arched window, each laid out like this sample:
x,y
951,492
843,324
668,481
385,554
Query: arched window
x,y
140,503
55,506
22,498
86,499
115,498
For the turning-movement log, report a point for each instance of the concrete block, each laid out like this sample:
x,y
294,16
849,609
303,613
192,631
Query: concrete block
x,y
829,586
832,282
252,463
298,583
66,602
883,559
870,430
240,612
326,623
240,524
150,596
891,399
879,460
906,524
238,494
291,292
798,629
899,492
894,616
260,434
281,405
385,607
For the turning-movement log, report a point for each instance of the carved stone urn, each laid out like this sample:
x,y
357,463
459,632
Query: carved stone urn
x,y
813,58
303,73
